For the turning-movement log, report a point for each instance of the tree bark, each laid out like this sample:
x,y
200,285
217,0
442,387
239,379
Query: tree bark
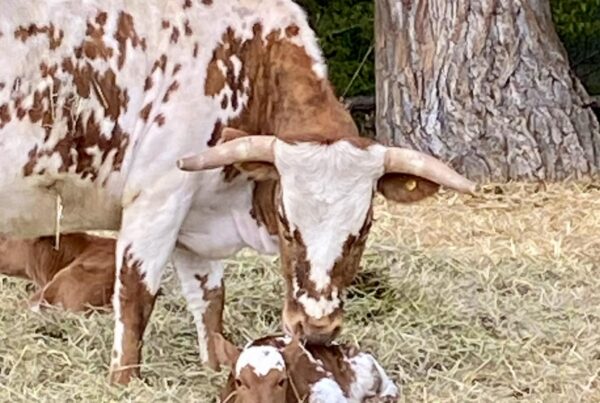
x,y
484,85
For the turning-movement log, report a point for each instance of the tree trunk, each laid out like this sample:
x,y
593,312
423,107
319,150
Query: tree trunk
x,y
484,85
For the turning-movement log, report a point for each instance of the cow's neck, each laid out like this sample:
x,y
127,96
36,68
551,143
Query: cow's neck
x,y
287,96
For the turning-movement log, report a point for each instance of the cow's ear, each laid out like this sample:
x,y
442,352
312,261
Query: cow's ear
x,y
229,133
259,171
226,353
404,188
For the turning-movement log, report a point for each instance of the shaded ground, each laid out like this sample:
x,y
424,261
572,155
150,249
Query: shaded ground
x,y
490,299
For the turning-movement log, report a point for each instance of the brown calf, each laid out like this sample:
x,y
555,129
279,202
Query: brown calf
x,y
279,369
79,276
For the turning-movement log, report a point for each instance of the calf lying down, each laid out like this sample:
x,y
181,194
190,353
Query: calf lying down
x,y
278,369
78,276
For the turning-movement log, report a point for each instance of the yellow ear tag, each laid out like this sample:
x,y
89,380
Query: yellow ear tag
x,y
411,185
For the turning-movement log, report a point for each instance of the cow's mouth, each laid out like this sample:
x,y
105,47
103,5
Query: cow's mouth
x,y
314,336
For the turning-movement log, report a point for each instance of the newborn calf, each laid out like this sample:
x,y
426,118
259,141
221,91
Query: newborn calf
x,y
279,369
78,276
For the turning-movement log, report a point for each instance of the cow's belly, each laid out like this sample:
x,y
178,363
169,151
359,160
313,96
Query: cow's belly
x,y
28,207
219,222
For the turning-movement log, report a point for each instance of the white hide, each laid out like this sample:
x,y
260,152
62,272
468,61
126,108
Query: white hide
x,y
326,390
326,198
261,359
188,265
370,379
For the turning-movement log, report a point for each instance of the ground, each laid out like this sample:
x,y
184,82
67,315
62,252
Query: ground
x,y
494,298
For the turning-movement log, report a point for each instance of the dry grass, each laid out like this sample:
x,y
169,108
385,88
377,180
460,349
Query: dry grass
x,y
462,299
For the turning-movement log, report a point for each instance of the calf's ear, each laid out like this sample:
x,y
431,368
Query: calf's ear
x,y
405,188
226,353
293,351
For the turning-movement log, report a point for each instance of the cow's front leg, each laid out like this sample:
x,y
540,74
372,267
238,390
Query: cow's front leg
x,y
146,241
202,285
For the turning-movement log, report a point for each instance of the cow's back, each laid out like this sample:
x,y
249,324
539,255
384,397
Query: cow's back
x,y
99,98
69,100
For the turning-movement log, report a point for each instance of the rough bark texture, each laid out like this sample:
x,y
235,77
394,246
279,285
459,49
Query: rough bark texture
x,y
484,85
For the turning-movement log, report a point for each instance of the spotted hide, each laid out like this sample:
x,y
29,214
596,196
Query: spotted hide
x,y
99,99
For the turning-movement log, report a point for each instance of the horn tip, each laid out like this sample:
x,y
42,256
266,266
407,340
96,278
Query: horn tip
x,y
473,188
189,164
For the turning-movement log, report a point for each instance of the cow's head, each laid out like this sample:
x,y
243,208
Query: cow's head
x,y
323,205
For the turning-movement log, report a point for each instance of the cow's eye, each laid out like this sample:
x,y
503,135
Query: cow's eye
x,y
281,382
238,383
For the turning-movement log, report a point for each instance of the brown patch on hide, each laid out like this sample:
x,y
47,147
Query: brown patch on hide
x,y
175,35
263,205
48,71
292,30
285,97
136,304
94,46
172,88
213,315
55,36
5,117
160,119
145,112
161,64
224,102
216,133
81,134
126,32
148,83
334,361
187,28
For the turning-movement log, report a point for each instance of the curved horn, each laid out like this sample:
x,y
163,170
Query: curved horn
x,y
243,149
402,160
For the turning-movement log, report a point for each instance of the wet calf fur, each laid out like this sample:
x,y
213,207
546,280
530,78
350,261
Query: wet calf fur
x,y
77,277
278,369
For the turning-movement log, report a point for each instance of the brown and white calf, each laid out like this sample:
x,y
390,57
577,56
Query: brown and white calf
x,y
78,276
99,99
278,369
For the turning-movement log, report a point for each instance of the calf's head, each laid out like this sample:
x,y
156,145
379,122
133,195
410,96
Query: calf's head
x,y
323,208
258,373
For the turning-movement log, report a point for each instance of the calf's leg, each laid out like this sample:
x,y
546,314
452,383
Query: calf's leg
x,y
79,287
202,285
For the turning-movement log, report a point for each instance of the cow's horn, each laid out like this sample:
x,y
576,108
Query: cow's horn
x,y
244,149
402,160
